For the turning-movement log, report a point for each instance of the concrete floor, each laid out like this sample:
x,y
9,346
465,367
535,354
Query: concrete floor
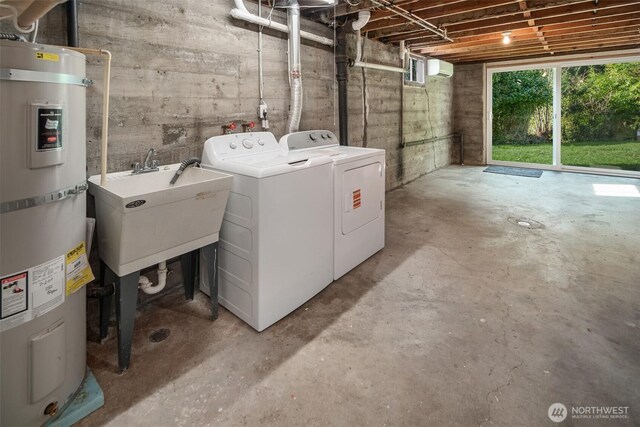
x,y
465,318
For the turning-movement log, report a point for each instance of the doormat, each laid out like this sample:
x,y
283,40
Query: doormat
x,y
506,170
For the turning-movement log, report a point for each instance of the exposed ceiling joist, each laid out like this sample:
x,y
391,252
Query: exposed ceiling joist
x,y
537,27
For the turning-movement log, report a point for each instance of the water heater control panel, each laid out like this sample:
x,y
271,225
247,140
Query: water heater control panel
x,y
46,135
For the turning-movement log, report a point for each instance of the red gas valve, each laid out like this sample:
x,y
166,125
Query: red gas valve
x,y
230,127
248,126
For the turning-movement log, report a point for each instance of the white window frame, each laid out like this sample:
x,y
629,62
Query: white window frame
x,y
632,55
421,73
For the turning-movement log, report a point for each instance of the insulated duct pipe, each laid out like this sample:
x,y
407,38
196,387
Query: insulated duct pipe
x,y
342,76
295,75
241,12
36,10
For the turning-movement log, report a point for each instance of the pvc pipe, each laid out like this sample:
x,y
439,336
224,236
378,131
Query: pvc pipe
x,y
105,106
358,61
147,287
363,19
241,12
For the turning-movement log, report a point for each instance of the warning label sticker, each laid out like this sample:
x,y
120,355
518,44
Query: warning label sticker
x,y
78,269
49,129
14,295
357,199
32,293
48,56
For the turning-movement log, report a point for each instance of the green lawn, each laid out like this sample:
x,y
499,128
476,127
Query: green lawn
x,y
622,155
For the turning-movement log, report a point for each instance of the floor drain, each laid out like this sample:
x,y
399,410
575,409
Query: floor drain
x,y
159,335
526,223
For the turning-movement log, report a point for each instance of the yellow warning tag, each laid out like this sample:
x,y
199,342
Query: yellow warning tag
x,y
78,269
48,57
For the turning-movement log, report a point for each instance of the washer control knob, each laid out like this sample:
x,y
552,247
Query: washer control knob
x,y
329,136
323,135
247,144
233,145
260,142
313,137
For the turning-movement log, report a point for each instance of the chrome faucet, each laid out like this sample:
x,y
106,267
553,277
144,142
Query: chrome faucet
x,y
148,165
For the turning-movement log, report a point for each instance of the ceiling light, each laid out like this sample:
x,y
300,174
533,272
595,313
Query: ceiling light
x,y
505,37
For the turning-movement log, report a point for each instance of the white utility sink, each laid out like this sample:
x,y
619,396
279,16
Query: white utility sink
x,y
142,219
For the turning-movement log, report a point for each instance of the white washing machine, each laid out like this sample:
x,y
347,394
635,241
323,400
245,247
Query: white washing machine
x,y
276,246
359,184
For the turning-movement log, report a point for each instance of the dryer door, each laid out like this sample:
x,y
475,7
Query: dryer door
x,y
361,196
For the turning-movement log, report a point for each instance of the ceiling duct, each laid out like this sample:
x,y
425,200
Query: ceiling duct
x,y
305,3
295,72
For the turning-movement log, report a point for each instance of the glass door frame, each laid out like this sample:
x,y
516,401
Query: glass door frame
x,y
632,55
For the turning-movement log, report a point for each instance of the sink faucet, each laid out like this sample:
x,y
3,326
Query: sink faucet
x,y
148,165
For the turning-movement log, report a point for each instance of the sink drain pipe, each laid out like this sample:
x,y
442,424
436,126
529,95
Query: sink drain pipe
x,y
148,287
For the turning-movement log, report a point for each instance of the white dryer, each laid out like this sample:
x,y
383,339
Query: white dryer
x,y
359,191
276,249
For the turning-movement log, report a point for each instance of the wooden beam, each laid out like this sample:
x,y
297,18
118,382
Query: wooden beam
x,y
418,38
494,9
544,17
521,35
561,19
346,9
555,48
545,55
445,10
414,6
600,36
565,12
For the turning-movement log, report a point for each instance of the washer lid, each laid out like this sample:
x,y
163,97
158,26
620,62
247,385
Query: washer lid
x,y
265,166
255,154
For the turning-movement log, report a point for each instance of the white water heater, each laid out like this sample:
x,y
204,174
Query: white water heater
x,y
42,221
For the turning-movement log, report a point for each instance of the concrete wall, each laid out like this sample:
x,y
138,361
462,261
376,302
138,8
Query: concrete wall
x,y
468,107
183,68
378,120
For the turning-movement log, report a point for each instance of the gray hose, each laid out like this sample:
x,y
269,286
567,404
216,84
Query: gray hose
x,y
185,164
11,36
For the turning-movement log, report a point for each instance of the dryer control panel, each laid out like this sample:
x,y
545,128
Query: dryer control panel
x,y
309,139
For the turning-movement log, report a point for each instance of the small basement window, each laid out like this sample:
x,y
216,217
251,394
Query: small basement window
x,y
415,71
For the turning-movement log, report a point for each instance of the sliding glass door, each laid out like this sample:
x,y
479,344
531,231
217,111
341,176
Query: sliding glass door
x,y
601,116
578,116
522,119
